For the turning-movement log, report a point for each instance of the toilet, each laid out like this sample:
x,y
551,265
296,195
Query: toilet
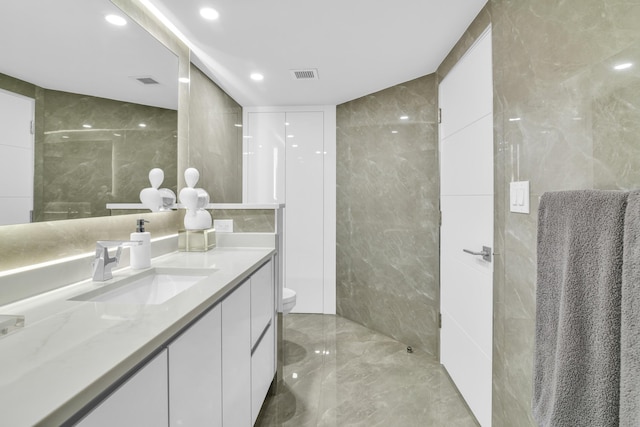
x,y
288,300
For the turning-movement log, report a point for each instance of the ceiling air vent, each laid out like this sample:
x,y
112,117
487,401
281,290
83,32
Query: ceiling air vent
x,y
306,74
147,80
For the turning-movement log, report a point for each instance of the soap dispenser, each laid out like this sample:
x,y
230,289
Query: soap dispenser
x,y
140,255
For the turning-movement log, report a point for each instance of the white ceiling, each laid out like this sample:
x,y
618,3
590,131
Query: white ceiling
x,y
357,46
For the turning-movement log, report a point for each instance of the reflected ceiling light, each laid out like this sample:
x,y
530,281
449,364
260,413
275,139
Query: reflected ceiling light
x,y
394,131
209,13
183,79
404,117
286,123
515,119
142,125
86,126
290,136
65,136
294,145
257,77
116,20
116,134
238,125
623,66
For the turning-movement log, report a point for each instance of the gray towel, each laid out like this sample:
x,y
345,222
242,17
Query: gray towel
x,y
577,350
630,322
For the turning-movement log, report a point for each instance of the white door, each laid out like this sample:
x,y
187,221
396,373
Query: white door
x,y
16,158
466,202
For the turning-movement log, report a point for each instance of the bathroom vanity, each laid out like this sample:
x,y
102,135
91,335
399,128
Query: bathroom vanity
x,y
95,353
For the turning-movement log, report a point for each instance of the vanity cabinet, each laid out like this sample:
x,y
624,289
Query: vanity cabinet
x,y
141,401
195,373
216,372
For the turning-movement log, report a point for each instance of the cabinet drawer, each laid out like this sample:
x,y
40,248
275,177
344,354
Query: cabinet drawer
x,y
262,371
262,300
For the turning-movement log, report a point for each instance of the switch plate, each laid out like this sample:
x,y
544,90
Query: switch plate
x,y
223,225
519,197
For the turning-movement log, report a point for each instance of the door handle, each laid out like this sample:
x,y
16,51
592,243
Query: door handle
x,y
485,253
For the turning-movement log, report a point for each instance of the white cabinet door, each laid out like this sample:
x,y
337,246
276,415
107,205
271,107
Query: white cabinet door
x,y
264,158
262,371
195,373
142,401
262,302
236,357
304,214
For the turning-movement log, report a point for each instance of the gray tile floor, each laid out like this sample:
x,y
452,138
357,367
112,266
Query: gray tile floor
x,y
339,373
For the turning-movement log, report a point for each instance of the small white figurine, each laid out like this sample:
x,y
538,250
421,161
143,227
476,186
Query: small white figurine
x,y
195,200
151,197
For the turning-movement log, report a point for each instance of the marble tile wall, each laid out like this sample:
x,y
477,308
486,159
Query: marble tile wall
x,y
248,220
387,212
564,119
215,142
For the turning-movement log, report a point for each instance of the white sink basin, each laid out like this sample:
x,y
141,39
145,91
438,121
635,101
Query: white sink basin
x,y
151,287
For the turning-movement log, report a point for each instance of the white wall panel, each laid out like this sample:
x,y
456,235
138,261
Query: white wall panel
x,y
304,214
309,194
264,158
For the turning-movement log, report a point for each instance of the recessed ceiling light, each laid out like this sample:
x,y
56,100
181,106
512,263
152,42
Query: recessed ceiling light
x,y
257,77
183,79
394,131
404,117
238,125
116,20
289,136
209,13
142,125
86,126
623,66
515,119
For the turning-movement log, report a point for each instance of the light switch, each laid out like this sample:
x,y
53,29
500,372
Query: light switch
x,y
519,197
223,225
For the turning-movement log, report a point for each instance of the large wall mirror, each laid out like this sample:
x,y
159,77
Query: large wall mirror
x,y
87,108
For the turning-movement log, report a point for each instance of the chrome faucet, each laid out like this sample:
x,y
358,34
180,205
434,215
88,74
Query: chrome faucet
x,y
103,263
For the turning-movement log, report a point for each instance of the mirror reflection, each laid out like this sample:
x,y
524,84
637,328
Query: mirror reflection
x,y
87,108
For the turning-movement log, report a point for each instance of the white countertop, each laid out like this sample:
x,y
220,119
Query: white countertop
x,y
69,352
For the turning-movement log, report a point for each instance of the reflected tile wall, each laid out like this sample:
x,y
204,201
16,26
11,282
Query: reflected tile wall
x,y
564,119
82,169
215,142
387,212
